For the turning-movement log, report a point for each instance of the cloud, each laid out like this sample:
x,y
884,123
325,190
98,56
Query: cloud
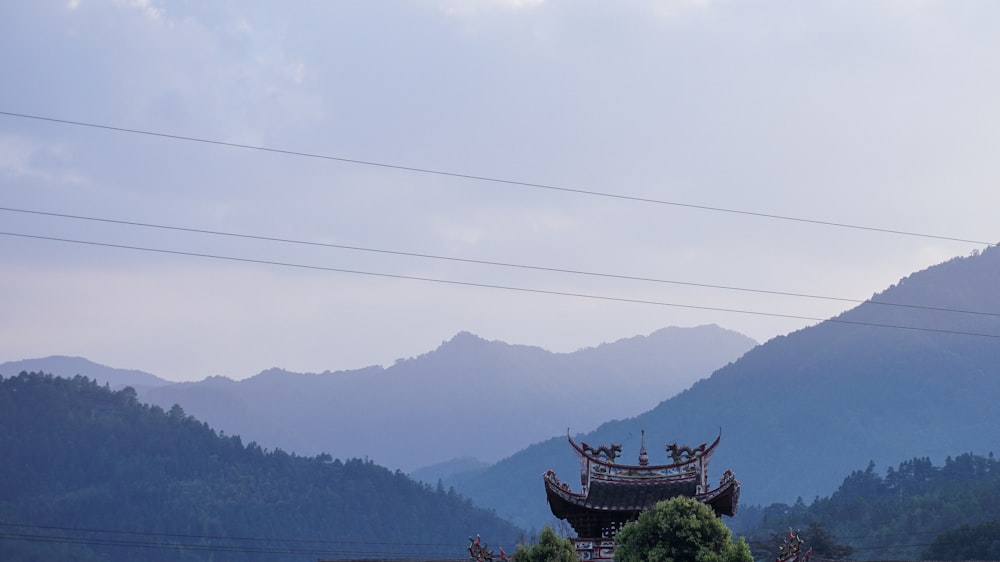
x,y
22,157
857,112
146,7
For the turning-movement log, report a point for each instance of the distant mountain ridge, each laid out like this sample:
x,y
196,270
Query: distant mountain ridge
x,y
468,397
72,366
801,411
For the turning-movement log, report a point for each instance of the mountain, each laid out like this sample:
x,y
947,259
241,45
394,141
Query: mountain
x,y
897,516
441,471
800,411
72,366
468,397
92,474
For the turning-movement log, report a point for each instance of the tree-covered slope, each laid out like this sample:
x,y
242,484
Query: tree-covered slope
x,y
800,411
89,473
898,515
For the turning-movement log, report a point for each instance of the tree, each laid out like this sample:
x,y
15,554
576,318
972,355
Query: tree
x,y
680,529
549,548
823,544
981,542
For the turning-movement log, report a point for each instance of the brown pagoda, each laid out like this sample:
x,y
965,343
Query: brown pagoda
x,y
613,494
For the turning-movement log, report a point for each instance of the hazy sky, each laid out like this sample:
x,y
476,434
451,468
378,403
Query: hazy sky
x,y
881,114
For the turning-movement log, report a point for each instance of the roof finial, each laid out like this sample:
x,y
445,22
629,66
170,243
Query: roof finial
x,y
643,456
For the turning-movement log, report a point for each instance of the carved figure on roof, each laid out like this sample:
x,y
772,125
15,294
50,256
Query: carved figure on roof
x,y
612,494
610,452
791,549
681,453
478,551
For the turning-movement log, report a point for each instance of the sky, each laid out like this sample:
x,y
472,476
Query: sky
x,y
326,179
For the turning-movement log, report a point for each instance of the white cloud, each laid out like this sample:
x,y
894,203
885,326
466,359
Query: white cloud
x,y
845,111
21,157
146,7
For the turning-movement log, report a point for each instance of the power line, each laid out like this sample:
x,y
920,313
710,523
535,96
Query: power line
x,y
168,545
493,286
270,549
153,540
491,179
494,263
216,537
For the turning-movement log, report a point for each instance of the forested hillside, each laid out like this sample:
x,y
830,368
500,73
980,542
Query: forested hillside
x,y
900,515
913,372
91,474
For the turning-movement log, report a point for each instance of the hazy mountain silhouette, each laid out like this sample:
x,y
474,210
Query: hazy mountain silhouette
x,y
800,412
72,366
448,469
469,397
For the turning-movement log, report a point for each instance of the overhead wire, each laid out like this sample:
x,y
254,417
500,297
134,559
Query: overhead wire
x,y
496,286
221,543
485,285
154,542
167,545
490,179
496,180
314,551
495,263
202,536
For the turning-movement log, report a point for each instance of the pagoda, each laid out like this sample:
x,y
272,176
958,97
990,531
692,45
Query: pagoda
x,y
613,494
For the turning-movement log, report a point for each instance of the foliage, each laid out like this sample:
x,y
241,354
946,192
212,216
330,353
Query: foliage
x,y
891,516
979,542
679,530
549,548
815,538
88,473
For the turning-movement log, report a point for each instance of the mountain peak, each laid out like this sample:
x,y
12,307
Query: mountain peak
x,y
465,337
68,367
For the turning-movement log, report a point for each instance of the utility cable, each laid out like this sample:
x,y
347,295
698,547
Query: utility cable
x,y
502,287
491,179
150,540
215,537
494,263
166,545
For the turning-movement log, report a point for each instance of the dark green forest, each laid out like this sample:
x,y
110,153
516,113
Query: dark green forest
x,y
914,511
87,473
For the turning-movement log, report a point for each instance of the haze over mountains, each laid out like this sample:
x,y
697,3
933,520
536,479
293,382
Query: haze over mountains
x,y
468,398
68,367
914,372
800,412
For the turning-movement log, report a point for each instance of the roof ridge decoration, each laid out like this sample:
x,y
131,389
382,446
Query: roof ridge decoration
x,y
610,452
611,494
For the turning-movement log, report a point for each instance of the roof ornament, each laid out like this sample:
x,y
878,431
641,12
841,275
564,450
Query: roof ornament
x,y
479,552
680,453
791,549
643,455
610,452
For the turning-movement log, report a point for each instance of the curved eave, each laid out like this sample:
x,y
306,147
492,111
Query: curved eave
x,y
706,454
724,500
566,504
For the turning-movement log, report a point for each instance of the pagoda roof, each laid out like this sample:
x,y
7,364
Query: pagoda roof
x,y
614,494
605,508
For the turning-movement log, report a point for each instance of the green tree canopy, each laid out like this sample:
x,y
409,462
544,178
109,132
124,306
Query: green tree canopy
x,y
979,542
549,548
679,530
